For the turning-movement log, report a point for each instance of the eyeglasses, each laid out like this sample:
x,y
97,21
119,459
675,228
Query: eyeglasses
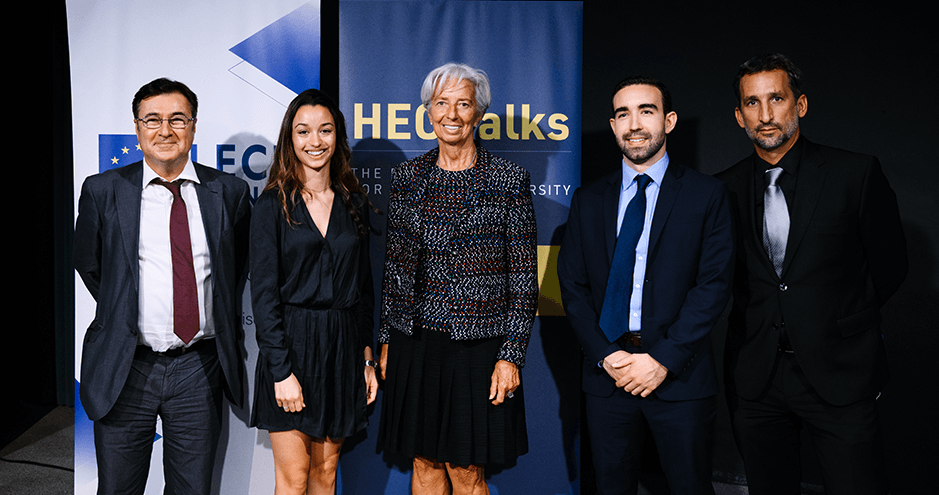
x,y
175,122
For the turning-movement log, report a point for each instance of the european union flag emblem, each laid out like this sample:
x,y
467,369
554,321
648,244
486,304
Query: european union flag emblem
x,y
117,150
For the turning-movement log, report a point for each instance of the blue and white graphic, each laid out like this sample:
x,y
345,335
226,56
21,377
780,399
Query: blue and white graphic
x,y
287,51
245,61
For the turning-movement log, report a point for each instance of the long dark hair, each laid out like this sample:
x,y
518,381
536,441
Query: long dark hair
x,y
286,174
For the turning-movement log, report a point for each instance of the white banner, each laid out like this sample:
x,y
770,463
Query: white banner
x,y
245,61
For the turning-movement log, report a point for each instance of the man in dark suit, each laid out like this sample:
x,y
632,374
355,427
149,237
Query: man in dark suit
x,y
161,245
645,270
819,250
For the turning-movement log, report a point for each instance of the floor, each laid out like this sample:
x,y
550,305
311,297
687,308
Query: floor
x,y
40,461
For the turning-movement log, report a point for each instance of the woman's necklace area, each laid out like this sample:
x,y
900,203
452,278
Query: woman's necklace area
x,y
472,163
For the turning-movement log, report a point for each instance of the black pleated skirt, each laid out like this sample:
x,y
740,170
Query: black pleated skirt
x,y
436,402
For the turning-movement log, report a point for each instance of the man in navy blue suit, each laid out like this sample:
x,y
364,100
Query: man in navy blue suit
x,y
162,247
645,269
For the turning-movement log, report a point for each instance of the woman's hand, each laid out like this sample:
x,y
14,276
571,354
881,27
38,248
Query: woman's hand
x,y
505,380
289,395
371,385
371,381
383,361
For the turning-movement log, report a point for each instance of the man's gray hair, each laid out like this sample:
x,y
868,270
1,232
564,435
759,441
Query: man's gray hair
x,y
443,75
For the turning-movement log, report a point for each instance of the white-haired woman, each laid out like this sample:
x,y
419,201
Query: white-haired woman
x,y
459,296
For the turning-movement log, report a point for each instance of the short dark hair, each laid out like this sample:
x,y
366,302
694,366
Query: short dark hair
x,y
634,80
162,86
769,62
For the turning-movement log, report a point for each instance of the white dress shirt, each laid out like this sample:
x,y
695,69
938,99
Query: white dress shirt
x,y
627,190
155,259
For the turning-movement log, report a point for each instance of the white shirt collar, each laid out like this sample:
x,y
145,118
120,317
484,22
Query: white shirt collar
x,y
188,173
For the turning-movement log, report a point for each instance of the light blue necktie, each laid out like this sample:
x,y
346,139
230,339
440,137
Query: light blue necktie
x,y
614,316
775,221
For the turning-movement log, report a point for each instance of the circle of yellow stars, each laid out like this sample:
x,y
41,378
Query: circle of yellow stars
x,y
125,150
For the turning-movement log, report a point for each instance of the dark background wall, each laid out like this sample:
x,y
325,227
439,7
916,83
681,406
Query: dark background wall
x,y
36,354
871,79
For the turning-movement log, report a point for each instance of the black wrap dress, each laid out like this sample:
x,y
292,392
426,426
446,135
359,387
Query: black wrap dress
x,y
313,312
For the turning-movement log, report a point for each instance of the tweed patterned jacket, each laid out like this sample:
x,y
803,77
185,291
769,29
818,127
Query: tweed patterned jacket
x,y
494,255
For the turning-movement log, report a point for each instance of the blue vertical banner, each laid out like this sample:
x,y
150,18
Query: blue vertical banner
x,y
531,52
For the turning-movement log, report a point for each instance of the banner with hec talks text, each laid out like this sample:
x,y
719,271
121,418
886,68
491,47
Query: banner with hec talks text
x,y
531,52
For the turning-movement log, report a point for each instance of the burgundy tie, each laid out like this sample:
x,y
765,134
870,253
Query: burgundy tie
x,y
185,296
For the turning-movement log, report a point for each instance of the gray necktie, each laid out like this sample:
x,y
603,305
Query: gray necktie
x,y
775,220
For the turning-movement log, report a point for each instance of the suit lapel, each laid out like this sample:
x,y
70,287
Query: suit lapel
x,y
211,207
479,183
610,210
127,198
415,197
668,193
748,218
809,182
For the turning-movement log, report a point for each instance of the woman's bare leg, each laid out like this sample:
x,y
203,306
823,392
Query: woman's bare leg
x,y
468,480
325,461
291,462
429,477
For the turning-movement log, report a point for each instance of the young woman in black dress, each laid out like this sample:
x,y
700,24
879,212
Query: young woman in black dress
x,y
311,289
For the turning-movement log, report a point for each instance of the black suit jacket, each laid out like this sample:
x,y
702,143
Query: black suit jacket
x,y
105,256
688,278
846,255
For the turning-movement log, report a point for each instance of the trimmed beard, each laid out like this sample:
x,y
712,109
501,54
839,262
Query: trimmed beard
x,y
770,144
641,155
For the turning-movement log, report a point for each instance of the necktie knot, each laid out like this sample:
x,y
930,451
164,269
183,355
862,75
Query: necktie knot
x,y
773,175
172,186
642,181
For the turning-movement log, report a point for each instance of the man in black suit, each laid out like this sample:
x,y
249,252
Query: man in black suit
x,y
643,286
819,250
161,245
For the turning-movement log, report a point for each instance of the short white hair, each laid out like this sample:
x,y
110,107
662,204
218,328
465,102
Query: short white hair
x,y
443,75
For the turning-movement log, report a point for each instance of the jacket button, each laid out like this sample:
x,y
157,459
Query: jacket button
x,y
783,287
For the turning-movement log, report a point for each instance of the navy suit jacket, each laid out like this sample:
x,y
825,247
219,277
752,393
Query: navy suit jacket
x,y
688,278
846,255
105,256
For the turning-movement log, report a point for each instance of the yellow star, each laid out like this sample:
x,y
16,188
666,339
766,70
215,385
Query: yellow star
x,y
138,146
114,160
125,150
